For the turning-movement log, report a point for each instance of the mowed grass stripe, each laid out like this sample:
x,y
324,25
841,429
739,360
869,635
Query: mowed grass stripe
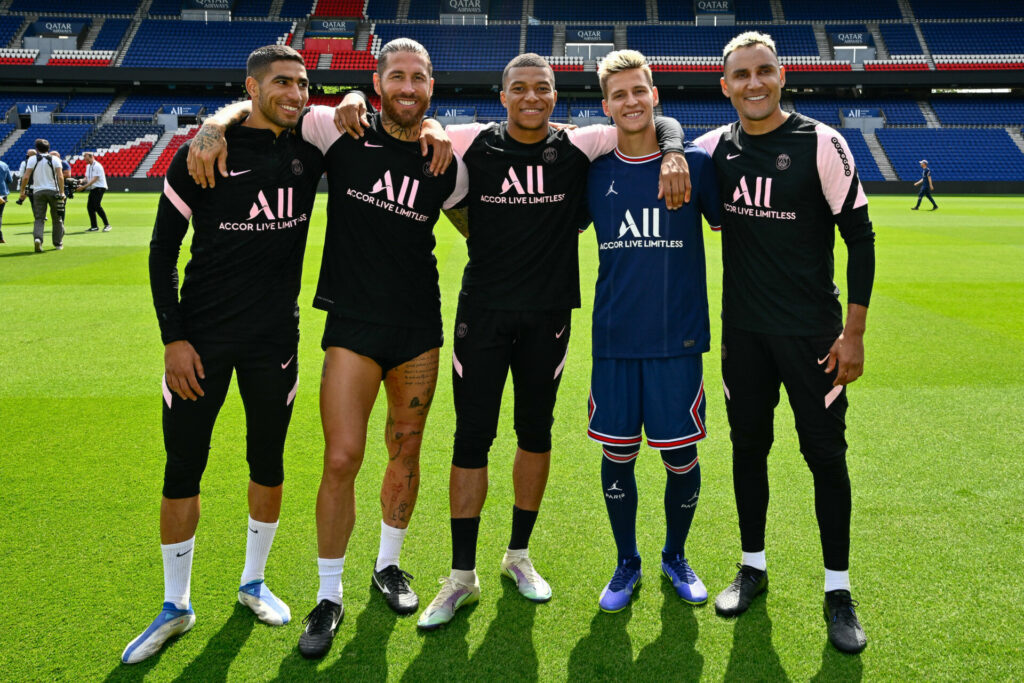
x,y
935,429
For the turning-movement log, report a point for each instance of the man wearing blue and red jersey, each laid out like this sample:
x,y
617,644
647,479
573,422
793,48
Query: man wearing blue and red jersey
x,y
650,326
787,181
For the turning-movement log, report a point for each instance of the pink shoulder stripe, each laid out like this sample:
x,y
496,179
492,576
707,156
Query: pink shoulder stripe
x,y
180,204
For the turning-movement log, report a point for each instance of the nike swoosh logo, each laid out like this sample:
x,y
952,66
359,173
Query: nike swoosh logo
x,y
822,360
184,553
287,362
253,530
559,335
234,173
368,144
731,156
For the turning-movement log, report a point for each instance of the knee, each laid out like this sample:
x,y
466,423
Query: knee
x,y
182,476
470,452
681,461
534,438
405,437
266,469
341,463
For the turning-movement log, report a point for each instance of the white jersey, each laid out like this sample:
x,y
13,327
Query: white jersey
x,y
95,170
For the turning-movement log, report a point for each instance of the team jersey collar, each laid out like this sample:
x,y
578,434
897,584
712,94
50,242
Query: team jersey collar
x,y
637,160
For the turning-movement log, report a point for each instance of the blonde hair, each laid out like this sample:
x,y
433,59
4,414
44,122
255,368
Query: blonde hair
x,y
746,40
622,60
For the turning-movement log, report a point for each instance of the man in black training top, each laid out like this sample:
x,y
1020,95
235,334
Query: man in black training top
x,y
786,181
238,312
379,286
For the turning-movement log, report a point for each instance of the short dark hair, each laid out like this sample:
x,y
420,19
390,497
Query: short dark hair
x,y
262,57
42,146
526,59
403,45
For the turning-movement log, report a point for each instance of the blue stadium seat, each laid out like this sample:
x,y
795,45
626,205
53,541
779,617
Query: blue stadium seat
x,y
673,10
460,48
9,26
957,9
296,9
953,154
897,111
601,11
809,10
146,106
700,112
539,39
165,8
753,11
63,137
974,38
700,41
111,34
178,44
901,39
5,130
111,134
251,8
382,9
505,10
960,111
59,6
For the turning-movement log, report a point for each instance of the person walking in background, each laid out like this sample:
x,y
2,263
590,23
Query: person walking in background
x,y
96,184
47,180
926,186
6,180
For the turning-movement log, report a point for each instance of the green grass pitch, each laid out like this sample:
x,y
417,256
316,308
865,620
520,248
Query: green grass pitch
x,y
935,425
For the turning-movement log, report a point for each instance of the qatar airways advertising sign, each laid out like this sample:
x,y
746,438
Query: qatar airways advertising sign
x,y
464,6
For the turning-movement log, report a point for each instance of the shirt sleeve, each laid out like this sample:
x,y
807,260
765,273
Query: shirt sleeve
x,y
707,191
594,141
845,195
670,134
317,127
462,136
461,184
172,218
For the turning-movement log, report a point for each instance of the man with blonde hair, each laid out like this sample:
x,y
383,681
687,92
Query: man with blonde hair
x,y
787,181
650,327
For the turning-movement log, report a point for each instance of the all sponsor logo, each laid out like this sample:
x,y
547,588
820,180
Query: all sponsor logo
x,y
272,209
754,198
534,177
645,233
384,195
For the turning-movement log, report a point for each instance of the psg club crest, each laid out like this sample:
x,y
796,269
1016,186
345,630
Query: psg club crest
x,y
461,330
550,155
296,167
782,162
426,170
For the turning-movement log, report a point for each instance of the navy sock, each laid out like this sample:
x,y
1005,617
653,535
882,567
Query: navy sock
x,y
682,490
522,527
619,485
464,533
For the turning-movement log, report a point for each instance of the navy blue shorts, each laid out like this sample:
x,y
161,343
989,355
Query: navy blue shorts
x,y
662,396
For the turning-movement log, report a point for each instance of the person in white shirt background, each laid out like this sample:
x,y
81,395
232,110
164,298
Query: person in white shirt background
x,y
96,184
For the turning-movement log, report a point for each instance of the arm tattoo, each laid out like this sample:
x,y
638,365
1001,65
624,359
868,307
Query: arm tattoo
x,y
206,138
460,219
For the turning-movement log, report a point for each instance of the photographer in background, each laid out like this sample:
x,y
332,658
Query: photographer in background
x,y
96,184
6,179
47,181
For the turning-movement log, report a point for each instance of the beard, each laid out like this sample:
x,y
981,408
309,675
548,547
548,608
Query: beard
x,y
403,117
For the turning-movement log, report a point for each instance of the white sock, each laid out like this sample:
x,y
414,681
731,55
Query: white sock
x,y
755,560
330,579
178,572
390,546
260,537
465,576
835,581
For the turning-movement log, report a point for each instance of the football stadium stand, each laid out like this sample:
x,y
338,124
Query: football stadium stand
x,y
953,154
118,161
170,44
163,162
63,137
921,39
